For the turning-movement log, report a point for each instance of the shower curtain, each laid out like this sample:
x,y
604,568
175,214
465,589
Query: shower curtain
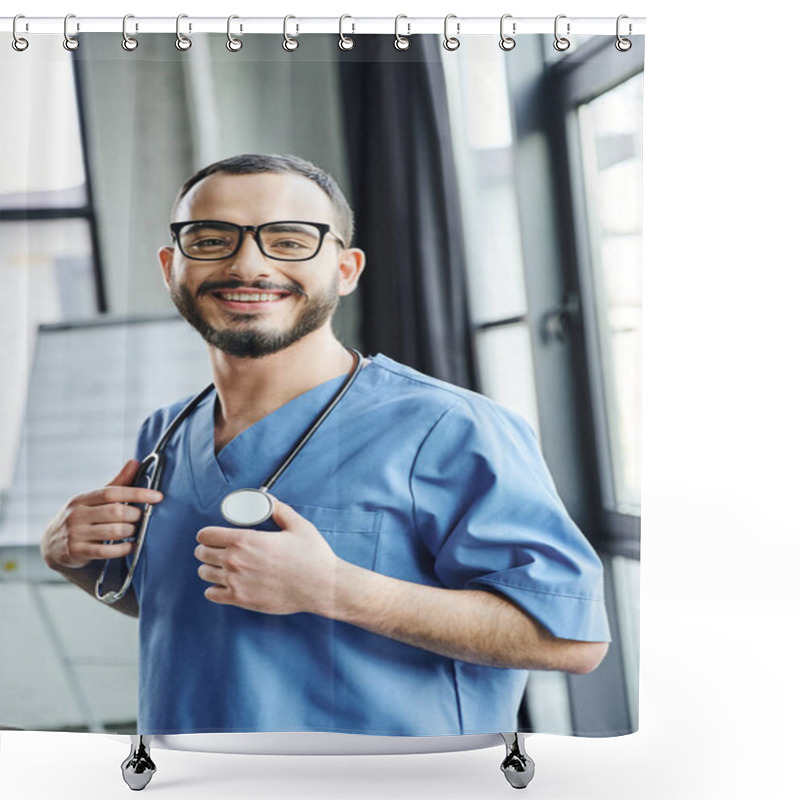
x,y
490,450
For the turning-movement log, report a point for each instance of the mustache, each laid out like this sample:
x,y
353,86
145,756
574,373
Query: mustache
x,y
265,286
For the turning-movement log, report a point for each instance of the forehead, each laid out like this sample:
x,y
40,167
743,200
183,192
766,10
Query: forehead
x,y
255,198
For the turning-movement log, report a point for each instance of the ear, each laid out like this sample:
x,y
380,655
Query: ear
x,y
165,256
351,264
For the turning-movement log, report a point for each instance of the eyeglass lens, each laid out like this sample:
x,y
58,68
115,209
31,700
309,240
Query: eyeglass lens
x,y
287,241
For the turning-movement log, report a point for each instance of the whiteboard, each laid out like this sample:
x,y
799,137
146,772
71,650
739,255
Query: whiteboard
x,y
91,387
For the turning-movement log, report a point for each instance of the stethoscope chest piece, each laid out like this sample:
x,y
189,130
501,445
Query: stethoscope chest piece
x,y
244,508
247,507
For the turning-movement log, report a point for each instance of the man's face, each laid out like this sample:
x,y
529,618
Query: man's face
x,y
249,305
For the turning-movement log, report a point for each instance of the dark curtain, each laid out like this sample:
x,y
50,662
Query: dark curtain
x,y
405,199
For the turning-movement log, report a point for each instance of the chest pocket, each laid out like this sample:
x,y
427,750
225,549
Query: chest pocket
x,y
352,535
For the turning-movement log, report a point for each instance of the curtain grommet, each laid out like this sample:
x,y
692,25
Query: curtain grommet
x,y
19,43
346,42
182,42
622,44
290,43
507,42
70,42
401,42
561,43
129,43
233,44
451,42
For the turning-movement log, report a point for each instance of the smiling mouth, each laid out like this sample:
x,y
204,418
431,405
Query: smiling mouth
x,y
252,297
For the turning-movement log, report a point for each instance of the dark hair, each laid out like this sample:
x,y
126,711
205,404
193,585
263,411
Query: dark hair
x,y
250,163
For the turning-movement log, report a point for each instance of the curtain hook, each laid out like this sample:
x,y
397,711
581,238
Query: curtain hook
x,y
623,45
233,44
18,42
70,42
561,43
345,42
182,42
128,42
290,44
507,42
401,42
451,42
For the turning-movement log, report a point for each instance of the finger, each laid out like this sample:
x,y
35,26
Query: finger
x,y
209,555
126,475
112,532
219,594
118,494
211,574
109,512
103,551
286,517
218,537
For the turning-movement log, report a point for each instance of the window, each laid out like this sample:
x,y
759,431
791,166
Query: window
x,y
601,111
483,143
549,153
611,145
47,255
602,123
548,149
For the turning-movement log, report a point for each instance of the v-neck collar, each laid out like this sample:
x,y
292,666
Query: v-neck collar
x,y
253,455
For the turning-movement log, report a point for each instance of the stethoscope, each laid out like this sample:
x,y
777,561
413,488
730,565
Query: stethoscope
x,y
241,507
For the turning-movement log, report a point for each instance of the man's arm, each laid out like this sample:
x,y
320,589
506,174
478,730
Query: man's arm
x,y
464,624
86,578
295,570
91,528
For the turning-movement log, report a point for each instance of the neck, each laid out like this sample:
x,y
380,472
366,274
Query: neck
x,y
250,388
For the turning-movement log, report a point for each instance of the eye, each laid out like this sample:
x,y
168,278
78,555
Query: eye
x,y
210,241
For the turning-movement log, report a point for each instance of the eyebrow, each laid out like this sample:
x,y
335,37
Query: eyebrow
x,y
204,223
279,225
287,227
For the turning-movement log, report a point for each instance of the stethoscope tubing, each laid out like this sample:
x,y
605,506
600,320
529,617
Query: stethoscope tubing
x,y
324,414
150,470
156,460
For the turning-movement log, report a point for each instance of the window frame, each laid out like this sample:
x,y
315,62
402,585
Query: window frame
x,y
485,165
85,211
592,71
27,214
560,356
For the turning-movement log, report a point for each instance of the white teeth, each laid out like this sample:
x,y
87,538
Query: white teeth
x,y
250,298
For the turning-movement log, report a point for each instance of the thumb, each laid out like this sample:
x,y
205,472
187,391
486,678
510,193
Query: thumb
x,y
286,518
126,475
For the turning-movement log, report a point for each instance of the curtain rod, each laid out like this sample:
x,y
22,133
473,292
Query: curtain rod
x,y
349,25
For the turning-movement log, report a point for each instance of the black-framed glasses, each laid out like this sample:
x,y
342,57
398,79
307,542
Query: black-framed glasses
x,y
284,240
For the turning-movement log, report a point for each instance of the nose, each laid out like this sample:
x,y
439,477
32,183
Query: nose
x,y
249,262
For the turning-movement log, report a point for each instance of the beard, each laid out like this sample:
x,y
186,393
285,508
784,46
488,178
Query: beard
x,y
252,341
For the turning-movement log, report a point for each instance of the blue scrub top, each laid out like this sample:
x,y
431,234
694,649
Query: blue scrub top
x,y
410,477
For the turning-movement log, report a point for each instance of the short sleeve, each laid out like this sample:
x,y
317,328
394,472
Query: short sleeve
x,y
487,508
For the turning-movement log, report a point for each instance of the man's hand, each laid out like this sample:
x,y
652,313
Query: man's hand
x,y
274,572
295,570
77,535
